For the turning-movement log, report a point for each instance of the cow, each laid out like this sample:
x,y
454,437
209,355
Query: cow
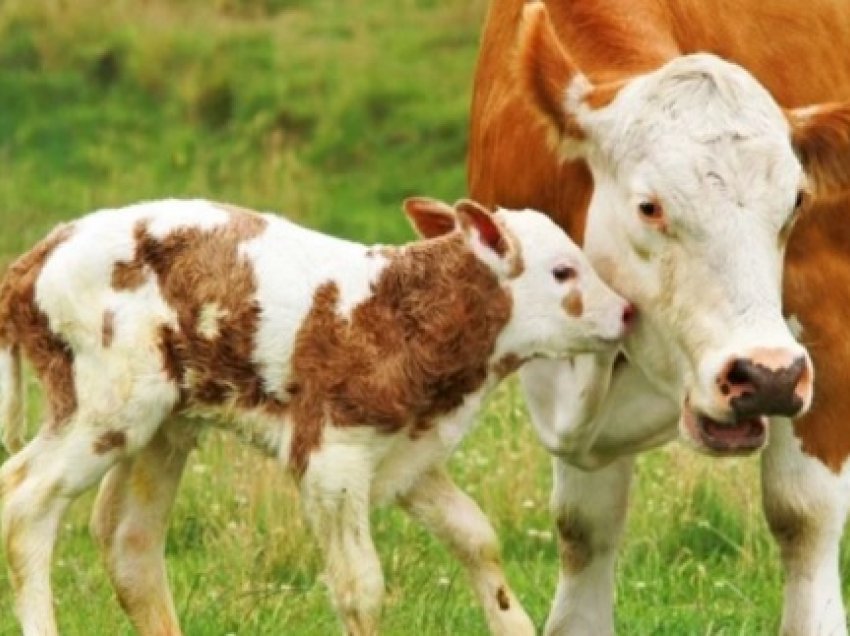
x,y
360,368
681,142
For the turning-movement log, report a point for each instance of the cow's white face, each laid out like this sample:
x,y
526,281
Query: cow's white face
x,y
696,186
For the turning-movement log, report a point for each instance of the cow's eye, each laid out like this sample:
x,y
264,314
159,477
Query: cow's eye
x,y
651,210
801,199
563,273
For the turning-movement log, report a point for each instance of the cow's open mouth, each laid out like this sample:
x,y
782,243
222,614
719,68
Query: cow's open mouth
x,y
721,438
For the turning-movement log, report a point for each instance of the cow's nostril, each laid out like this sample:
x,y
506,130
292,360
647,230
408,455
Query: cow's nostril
x,y
739,373
768,383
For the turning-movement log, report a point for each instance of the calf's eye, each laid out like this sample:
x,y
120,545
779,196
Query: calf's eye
x,y
563,273
801,198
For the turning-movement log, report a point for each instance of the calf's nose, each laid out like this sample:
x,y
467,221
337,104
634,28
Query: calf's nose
x,y
767,382
629,316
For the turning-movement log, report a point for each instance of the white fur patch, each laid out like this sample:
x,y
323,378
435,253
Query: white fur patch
x,y
12,393
208,320
290,263
795,326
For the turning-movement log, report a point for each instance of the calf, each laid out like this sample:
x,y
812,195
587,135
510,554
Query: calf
x,y
359,368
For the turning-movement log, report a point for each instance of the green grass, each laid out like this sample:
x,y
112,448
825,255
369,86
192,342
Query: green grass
x,y
332,112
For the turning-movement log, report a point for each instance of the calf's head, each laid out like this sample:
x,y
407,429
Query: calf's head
x,y
698,178
560,307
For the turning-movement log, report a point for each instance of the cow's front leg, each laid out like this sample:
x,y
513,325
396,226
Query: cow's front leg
x,y
806,505
590,509
456,520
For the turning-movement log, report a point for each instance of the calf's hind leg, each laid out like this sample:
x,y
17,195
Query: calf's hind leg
x,y
36,493
130,521
456,520
38,484
64,460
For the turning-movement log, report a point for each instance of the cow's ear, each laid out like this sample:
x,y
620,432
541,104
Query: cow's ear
x,y
557,88
821,136
430,217
479,226
547,72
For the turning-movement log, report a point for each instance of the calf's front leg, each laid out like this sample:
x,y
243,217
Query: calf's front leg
x,y
454,518
335,498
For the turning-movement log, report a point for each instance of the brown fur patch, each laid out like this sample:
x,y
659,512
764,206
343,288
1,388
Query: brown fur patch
x,y
171,362
787,529
138,540
506,365
794,528
821,136
574,304
503,599
109,440
408,354
574,546
814,287
108,329
515,260
128,275
22,322
196,268
144,484
603,94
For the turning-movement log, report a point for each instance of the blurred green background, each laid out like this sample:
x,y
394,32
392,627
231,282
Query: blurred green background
x,y
328,111
332,112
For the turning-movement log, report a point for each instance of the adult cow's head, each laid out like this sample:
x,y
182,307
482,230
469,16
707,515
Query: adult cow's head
x,y
698,178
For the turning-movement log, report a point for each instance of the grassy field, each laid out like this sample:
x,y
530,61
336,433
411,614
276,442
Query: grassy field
x,y
331,112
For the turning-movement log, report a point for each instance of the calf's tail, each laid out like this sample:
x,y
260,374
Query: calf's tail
x,y
12,423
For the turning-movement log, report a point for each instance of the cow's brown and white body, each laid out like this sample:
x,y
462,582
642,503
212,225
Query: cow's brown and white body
x,y
683,131
359,368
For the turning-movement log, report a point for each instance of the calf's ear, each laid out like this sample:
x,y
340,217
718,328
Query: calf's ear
x,y
430,217
821,137
478,223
